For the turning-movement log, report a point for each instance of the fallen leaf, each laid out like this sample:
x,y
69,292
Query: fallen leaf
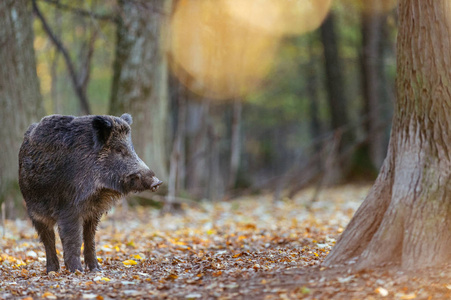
x,y
407,296
381,291
49,295
193,296
138,256
129,262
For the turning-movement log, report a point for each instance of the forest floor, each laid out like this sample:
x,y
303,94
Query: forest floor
x,y
247,248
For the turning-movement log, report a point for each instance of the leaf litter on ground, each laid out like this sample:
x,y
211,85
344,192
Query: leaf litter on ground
x,y
251,248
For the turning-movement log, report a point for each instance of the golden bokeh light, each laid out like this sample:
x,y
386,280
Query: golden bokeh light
x,y
280,17
223,49
213,54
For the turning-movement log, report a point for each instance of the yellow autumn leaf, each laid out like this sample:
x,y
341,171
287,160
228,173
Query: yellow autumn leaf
x,y
48,295
21,263
129,262
408,296
137,256
106,279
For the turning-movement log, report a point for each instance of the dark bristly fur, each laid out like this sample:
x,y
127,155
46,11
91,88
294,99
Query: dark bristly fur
x,y
71,171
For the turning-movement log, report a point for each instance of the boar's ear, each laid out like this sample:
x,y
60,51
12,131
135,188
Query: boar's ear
x,y
102,127
127,118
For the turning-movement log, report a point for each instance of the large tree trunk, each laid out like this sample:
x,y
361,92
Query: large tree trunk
x,y
406,217
140,79
20,98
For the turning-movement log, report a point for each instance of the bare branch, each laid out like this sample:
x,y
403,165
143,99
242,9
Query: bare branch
x,y
70,67
82,12
84,72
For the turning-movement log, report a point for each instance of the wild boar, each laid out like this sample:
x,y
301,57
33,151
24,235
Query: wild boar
x,y
71,171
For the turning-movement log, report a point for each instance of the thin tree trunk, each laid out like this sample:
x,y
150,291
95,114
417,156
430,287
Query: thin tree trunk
x,y
335,91
20,98
235,145
214,191
312,93
176,158
406,217
372,30
197,148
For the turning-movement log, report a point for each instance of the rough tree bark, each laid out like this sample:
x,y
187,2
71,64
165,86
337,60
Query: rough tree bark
x,y
406,217
140,78
20,98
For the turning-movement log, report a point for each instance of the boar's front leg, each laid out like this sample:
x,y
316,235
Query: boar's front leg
x,y
89,231
71,237
47,235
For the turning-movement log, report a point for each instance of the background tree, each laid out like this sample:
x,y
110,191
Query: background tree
x,y
337,99
20,98
140,78
374,28
405,218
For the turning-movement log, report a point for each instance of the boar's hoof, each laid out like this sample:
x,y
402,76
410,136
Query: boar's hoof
x,y
52,269
95,270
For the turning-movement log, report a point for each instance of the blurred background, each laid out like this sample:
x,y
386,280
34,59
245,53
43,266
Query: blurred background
x,y
229,97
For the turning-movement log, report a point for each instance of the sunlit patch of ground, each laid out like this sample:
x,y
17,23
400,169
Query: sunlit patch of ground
x,y
247,247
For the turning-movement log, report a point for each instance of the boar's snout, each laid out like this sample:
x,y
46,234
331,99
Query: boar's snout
x,y
156,183
141,181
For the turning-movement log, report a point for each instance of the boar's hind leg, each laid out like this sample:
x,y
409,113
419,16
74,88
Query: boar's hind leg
x,y
70,232
47,235
89,231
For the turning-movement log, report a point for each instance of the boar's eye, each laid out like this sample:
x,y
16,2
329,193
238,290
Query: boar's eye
x,y
120,151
